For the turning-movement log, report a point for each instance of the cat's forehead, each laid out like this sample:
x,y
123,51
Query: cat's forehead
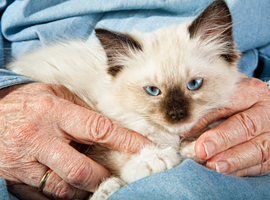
x,y
168,41
170,53
170,57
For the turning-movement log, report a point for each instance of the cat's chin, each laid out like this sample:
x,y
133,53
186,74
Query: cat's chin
x,y
181,128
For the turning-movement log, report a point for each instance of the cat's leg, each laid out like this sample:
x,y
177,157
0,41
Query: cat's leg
x,y
107,188
149,161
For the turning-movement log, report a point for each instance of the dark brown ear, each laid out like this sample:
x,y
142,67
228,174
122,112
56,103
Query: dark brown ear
x,y
215,24
116,45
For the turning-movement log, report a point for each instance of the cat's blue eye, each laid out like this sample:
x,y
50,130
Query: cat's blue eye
x,y
153,91
195,84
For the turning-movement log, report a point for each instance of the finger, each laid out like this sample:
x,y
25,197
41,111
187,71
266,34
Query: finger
x,y
73,167
235,130
212,117
102,130
54,187
57,188
26,192
244,157
86,126
251,171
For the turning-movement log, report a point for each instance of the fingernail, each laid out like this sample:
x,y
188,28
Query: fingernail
x,y
209,148
222,167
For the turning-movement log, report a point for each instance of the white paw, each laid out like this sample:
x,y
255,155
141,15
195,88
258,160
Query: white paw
x,y
187,150
149,161
107,188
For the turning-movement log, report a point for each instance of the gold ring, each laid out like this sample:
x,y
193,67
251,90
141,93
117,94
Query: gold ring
x,y
44,179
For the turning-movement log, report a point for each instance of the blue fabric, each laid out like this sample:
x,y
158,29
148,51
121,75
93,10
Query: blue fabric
x,y
27,24
7,78
4,195
193,181
188,181
30,23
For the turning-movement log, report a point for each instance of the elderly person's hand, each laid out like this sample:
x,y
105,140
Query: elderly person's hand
x,y
241,144
37,123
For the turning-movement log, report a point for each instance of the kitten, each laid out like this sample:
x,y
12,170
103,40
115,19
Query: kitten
x,y
158,84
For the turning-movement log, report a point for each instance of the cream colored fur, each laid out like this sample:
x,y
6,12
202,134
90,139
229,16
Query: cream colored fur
x,y
170,58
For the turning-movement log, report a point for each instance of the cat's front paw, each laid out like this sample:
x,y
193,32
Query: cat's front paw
x,y
107,188
149,161
187,150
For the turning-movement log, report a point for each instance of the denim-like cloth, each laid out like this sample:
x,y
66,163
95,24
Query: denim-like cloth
x,y
187,181
27,24
4,195
193,181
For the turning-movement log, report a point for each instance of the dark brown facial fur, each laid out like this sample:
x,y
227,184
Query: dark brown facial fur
x,y
175,106
116,44
216,20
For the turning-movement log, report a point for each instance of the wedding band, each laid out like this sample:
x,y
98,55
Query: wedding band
x,y
44,179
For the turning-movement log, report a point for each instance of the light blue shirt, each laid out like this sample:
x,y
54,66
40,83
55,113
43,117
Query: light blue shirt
x,y
27,24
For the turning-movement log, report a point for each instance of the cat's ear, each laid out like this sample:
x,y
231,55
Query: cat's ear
x,y
214,24
116,45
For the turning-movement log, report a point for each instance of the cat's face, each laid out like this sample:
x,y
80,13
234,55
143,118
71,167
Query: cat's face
x,y
174,76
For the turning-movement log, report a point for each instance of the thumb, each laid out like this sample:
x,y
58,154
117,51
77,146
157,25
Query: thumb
x,y
218,114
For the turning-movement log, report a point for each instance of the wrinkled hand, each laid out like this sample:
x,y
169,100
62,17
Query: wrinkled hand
x,y
37,123
241,144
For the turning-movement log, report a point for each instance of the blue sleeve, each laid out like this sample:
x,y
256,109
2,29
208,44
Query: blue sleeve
x,y
7,78
27,24
252,35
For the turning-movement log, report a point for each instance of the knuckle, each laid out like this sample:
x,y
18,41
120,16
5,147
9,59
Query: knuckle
x,y
57,188
60,91
265,156
79,175
100,127
260,85
45,106
66,192
46,101
265,149
248,125
263,146
265,168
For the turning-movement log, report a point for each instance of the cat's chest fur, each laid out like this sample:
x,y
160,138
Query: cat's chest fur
x,y
159,84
